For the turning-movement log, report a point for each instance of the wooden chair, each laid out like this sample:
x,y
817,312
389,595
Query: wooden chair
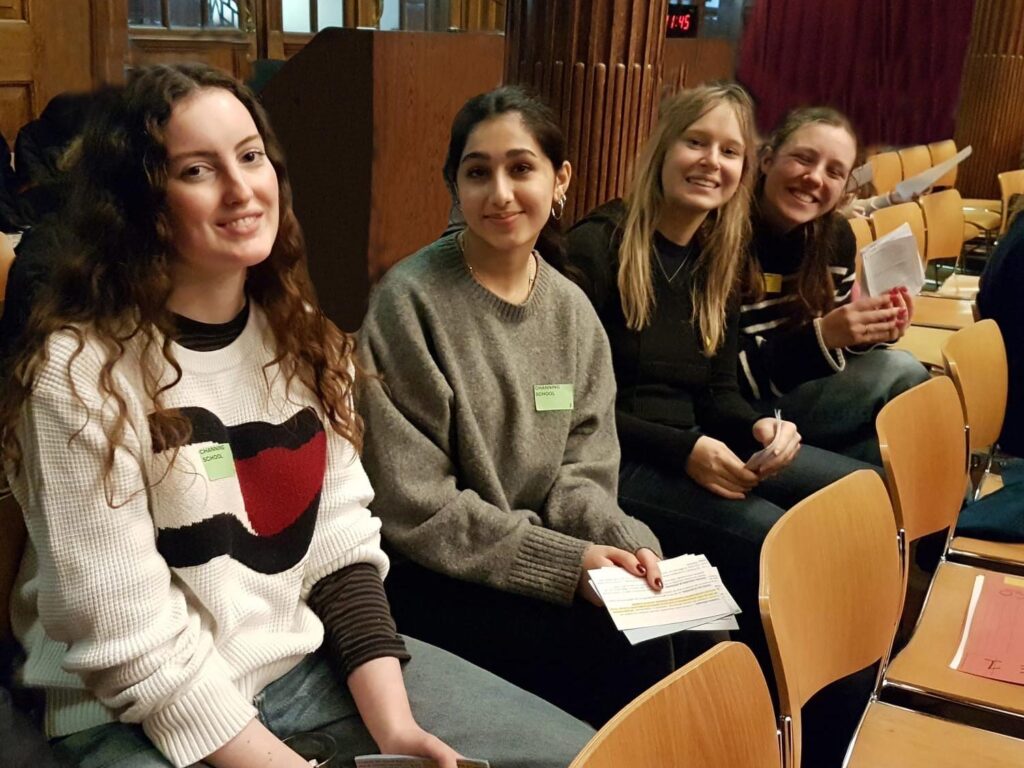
x,y
925,343
886,171
940,152
715,711
921,434
1010,183
863,235
831,592
944,225
885,220
915,160
975,359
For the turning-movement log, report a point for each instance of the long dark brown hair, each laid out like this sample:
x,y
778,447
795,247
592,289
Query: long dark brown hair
x,y
112,287
814,281
540,121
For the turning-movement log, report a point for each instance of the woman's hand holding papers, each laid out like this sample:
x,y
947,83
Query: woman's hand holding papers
x,y
643,564
783,440
867,319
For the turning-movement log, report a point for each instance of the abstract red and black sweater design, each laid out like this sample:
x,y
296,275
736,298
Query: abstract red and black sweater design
x,y
264,514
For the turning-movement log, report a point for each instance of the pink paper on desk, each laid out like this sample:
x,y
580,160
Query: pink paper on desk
x,y
993,641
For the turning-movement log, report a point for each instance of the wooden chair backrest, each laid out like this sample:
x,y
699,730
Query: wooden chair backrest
x,y
715,711
924,451
943,224
1010,183
863,235
831,590
915,160
12,545
940,152
975,359
885,220
886,171
6,259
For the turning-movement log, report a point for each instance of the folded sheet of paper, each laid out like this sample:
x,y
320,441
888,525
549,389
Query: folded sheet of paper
x,y
759,458
405,761
891,261
693,596
992,644
926,179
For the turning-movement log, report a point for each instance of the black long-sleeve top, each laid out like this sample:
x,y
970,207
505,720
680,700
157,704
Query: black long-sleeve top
x,y
669,392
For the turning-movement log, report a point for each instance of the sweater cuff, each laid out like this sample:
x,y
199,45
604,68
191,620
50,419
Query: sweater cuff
x,y
548,565
354,610
630,534
200,721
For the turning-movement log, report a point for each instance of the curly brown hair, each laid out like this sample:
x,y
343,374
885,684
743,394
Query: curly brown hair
x,y
113,286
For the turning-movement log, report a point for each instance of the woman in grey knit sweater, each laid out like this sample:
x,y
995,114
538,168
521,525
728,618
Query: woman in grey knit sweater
x,y
491,435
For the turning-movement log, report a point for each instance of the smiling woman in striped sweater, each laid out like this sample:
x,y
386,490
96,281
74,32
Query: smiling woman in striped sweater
x,y
808,343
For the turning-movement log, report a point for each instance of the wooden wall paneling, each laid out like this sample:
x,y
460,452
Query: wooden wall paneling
x,y
109,40
231,52
991,114
690,61
15,109
412,117
45,49
608,52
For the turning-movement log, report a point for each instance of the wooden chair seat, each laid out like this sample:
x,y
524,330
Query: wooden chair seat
x,y
925,343
982,204
942,312
893,737
965,548
923,666
960,286
983,218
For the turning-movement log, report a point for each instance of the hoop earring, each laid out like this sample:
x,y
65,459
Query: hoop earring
x,y
561,209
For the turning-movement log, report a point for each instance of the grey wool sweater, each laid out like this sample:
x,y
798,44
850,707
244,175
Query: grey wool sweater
x,y
471,479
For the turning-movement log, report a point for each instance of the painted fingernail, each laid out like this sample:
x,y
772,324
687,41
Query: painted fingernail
x,y
641,569
658,584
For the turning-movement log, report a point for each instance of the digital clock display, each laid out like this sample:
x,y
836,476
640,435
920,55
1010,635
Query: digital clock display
x,y
681,21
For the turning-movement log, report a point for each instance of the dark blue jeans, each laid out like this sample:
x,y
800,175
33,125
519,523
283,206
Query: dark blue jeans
x,y
838,412
687,518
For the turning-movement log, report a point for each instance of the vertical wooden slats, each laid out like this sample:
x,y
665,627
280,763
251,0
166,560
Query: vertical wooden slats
x,y
598,63
991,117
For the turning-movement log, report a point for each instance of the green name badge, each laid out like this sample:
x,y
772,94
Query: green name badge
x,y
552,397
217,461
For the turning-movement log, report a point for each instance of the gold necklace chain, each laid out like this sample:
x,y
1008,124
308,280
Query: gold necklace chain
x,y
531,274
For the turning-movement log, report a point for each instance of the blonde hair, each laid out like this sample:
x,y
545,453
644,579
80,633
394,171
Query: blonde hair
x,y
723,235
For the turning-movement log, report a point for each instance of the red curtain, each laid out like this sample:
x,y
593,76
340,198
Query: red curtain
x,y
893,66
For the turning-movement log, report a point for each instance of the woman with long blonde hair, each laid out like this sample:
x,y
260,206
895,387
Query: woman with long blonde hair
x,y
663,270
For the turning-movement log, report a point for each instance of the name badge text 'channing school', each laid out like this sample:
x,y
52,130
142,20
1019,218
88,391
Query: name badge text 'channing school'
x,y
218,461
552,397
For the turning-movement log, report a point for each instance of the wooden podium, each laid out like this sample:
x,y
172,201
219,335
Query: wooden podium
x,y
364,118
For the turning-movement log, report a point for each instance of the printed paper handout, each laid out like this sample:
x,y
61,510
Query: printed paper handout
x,y
992,644
891,261
693,597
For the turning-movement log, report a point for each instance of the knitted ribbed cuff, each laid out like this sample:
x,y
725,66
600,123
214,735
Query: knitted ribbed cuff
x,y
200,721
835,357
630,534
354,609
548,565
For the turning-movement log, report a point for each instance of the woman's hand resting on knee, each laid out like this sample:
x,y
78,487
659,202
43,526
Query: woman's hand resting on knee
x,y
644,564
713,465
786,449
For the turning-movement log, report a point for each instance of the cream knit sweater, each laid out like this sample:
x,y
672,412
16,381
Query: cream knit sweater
x,y
174,607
